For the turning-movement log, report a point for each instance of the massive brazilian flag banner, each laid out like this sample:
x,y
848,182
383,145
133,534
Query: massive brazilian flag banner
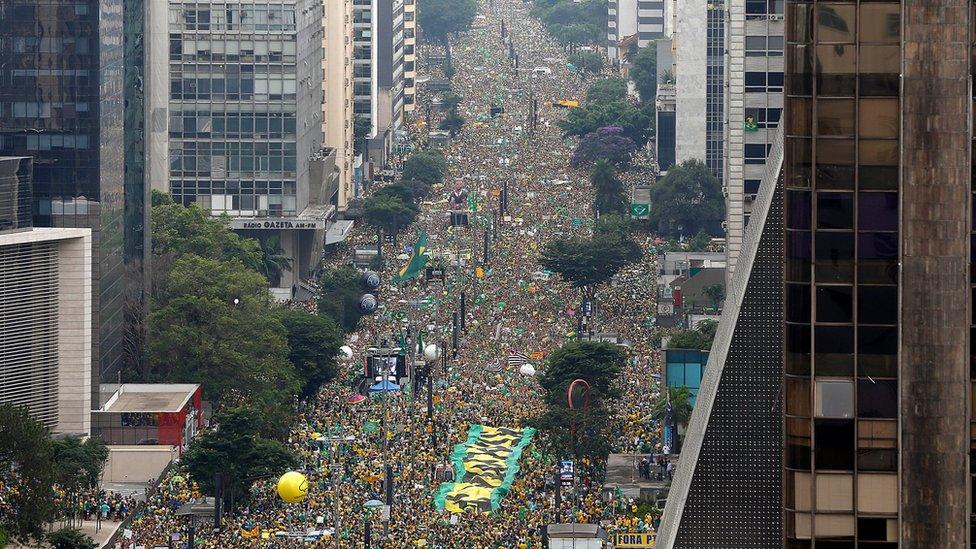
x,y
485,466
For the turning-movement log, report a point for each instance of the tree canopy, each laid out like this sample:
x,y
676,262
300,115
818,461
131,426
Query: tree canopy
x,y
452,123
70,538
78,465
26,455
609,191
571,22
605,144
388,213
339,299
680,398
441,18
607,90
237,449
313,342
597,363
396,190
427,166
212,324
587,61
179,230
699,338
360,131
643,71
687,200
637,124
588,262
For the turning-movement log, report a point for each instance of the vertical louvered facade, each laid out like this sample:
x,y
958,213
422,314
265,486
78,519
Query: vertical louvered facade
x,y
45,325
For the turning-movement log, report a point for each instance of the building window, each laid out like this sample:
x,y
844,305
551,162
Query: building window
x,y
834,399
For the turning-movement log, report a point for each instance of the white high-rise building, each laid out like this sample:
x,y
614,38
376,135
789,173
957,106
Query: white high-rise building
x,y
626,18
754,106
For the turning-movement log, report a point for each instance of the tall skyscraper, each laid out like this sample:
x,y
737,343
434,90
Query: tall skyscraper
x,y
379,72
877,313
245,108
61,65
409,55
338,120
754,105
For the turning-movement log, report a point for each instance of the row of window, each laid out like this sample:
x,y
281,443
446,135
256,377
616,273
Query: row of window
x,y
231,87
876,211
231,124
834,304
867,22
763,82
842,163
253,17
764,46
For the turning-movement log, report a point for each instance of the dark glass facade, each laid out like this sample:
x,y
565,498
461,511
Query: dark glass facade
x,y
15,193
841,337
715,88
62,103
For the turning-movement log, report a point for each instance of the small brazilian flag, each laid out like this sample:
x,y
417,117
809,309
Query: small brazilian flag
x,y
418,260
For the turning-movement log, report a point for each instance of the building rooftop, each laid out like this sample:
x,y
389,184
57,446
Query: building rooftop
x,y
150,397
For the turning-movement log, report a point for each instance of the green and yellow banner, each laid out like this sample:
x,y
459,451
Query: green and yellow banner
x,y
485,466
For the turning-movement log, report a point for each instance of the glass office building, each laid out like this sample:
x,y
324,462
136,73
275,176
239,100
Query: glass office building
x,y
877,222
61,102
874,362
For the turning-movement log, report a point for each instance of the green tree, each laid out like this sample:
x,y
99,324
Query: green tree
x,y
596,362
389,214
341,290
610,195
681,408
707,328
643,71
313,341
691,339
360,131
688,199
273,259
399,191
237,449
452,123
159,198
427,166
212,324
699,243
178,230
441,18
715,292
637,123
27,467
78,464
587,263
70,538
607,90
587,61
589,433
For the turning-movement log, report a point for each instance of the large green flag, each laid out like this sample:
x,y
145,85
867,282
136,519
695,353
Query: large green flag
x,y
417,261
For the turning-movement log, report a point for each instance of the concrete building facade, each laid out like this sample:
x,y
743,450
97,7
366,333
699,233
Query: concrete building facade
x,y
245,123
754,106
625,18
46,304
698,46
338,120
409,56
379,72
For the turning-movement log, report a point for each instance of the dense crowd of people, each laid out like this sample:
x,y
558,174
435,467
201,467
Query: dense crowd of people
x,y
512,306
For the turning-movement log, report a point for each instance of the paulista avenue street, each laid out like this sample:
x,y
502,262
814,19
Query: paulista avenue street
x,y
475,342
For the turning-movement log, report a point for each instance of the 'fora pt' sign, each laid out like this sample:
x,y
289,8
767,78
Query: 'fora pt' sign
x,y
277,223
